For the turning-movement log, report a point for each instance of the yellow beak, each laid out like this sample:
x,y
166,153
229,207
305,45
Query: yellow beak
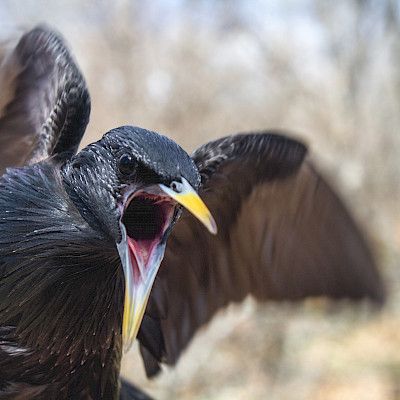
x,y
189,199
140,271
139,278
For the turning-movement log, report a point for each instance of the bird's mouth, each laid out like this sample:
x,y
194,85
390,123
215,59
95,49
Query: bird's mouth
x,y
146,219
144,223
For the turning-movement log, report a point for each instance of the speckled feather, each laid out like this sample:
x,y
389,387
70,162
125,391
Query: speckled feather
x,y
41,268
156,151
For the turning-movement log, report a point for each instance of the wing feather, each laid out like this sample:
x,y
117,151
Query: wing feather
x,y
45,105
283,234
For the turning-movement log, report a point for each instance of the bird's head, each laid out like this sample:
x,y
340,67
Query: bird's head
x,y
132,185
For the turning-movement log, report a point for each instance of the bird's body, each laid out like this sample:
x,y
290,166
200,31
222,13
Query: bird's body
x,y
45,288
69,245
82,236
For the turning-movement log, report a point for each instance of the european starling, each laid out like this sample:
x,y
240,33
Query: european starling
x,y
82,236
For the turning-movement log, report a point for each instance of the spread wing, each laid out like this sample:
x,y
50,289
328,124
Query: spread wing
x,y
282,234
44,102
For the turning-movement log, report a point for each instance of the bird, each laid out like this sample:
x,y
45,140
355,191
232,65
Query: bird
x,y
131,238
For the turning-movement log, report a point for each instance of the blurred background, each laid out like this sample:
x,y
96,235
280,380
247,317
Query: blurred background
x,y
327,71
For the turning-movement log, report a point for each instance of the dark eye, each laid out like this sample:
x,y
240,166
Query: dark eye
x,y
127,164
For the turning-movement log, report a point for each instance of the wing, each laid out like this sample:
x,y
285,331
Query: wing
x,y
44,104
282,234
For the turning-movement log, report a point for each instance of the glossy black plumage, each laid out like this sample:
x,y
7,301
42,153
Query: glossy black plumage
x,y
45,101
283,234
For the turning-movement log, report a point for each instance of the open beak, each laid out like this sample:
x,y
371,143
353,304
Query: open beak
x,y
141,255
139,278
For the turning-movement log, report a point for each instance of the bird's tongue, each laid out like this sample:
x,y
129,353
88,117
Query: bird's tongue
x,y
140,261
140,254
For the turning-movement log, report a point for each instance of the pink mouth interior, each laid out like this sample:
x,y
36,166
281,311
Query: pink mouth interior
x,y
146,218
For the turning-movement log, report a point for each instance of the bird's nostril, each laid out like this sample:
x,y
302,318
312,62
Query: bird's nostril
x,y
176,186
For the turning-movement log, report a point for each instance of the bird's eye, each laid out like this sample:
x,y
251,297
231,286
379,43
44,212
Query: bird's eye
x,y
176,186
127,164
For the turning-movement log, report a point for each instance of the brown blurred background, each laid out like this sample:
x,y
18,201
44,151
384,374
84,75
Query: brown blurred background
x,y
327,71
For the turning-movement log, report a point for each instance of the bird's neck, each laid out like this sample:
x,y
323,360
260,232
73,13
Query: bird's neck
x,y
61,299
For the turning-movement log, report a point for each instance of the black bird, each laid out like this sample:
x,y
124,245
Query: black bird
x,y
82,235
